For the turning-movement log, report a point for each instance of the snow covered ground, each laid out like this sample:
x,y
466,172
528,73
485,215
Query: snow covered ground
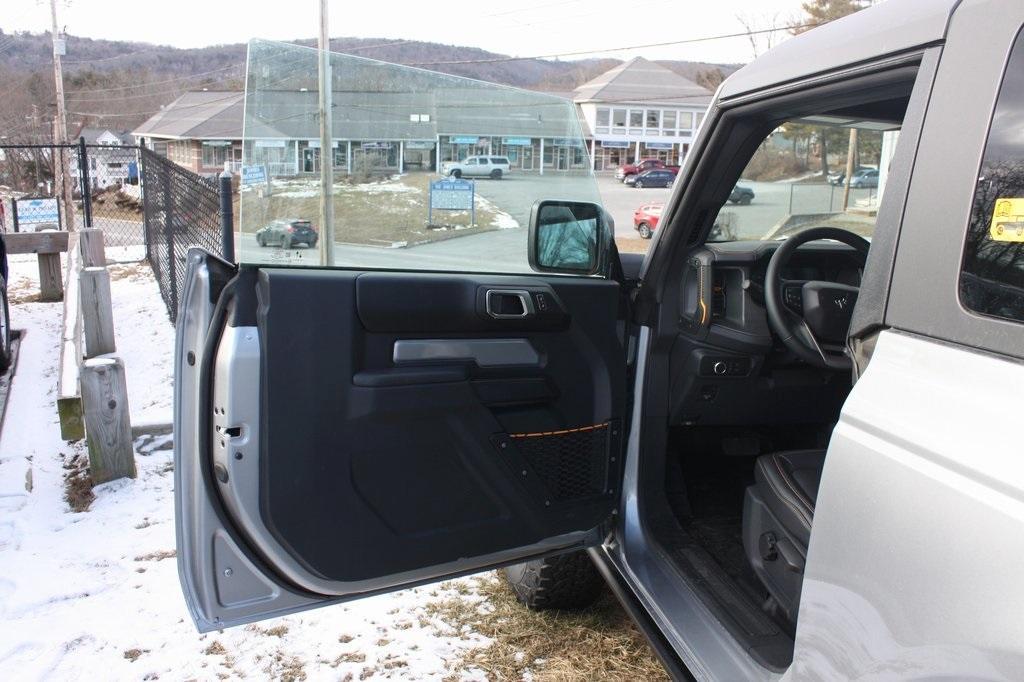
x,y
95,594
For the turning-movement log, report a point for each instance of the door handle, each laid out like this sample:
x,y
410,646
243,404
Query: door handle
x,y
509,304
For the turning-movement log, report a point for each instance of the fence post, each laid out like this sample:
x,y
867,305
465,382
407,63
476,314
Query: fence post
x,y
91,242
86,181
108,427
145,202
227,228
172,266
97,312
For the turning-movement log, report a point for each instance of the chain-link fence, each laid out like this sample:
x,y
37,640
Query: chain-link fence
x,y
181,210
105,190
115,197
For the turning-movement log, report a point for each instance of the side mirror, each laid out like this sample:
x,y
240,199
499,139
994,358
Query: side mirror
x,y
568,237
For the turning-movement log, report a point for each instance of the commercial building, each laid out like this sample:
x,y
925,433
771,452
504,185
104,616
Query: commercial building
x,y
637,110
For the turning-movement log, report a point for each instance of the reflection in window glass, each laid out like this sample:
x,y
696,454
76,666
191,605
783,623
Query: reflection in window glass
x,y
668,122
416,182
636,118
685,120
992,281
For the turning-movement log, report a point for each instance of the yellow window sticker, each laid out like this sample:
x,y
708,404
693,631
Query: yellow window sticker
x,y
1008,220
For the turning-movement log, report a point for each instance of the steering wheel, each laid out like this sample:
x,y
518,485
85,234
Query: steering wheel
x,y
812,317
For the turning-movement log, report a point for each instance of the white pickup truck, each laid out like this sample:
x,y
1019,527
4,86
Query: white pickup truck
x,y
494,167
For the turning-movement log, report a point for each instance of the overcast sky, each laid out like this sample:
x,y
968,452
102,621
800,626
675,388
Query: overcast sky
x,y
514,27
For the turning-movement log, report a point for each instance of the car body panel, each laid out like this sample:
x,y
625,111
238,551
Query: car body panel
x,y
920,585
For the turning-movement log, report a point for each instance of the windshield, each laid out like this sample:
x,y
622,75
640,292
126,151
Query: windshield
x,y
797,179
430,171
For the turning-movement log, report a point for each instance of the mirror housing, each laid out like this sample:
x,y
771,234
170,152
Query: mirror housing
x,y
569,237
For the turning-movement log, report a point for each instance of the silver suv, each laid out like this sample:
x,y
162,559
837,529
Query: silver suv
x,y
494,167
780,437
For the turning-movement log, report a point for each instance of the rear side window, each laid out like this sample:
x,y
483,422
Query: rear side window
x,y
992,277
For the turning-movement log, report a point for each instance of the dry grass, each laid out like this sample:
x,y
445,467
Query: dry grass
x,y
158,555
77,483
600,643
633,245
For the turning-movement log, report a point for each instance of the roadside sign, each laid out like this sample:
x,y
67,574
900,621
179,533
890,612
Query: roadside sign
x,y
517,141
252,175
452,194
36,213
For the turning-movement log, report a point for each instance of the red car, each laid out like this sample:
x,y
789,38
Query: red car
x,y
641,166
645,219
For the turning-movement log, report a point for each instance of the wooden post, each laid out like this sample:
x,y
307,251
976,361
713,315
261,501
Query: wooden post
x,y
69,397
107,424
51,286
97,312
91,241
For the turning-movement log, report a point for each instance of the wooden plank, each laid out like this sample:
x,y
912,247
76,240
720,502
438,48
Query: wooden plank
x,y
50,241
97,311
91,242
69,400
107,424
5,379
50,286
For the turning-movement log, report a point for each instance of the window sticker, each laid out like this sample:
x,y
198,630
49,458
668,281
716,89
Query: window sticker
x,y
1008,220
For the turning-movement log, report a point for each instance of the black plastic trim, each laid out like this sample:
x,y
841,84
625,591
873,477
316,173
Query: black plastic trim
x,y
617,583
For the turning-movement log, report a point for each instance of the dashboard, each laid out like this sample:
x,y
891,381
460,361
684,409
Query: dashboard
x,y
727,366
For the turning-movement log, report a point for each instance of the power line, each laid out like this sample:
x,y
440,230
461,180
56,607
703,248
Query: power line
x,y
496,60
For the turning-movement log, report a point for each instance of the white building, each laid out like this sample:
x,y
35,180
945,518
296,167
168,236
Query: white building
x,y
640,110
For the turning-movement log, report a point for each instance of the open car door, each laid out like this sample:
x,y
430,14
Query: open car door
x,y
404,414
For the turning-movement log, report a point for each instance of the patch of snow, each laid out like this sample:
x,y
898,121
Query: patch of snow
x,y
501,220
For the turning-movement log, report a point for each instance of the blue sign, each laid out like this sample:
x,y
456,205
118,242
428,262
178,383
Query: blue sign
x,y
567,142
253,174
464,139
36,212
615,144
659,145
517,141
452,194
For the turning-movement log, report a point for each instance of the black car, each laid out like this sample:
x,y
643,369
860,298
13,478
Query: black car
x,y
654,178
287,232
741,195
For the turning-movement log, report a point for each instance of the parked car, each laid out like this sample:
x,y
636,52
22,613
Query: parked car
x,y
839,177
494,167
864,178
645,219
653,178
287,233
631,169
781,455
742,195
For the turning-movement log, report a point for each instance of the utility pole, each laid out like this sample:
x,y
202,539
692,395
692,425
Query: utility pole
x,y
851,153
60,125
326,240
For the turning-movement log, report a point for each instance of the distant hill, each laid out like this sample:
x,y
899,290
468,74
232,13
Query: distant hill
x,y
118,84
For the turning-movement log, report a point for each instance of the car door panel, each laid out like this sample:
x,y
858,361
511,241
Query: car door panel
x,y
346,463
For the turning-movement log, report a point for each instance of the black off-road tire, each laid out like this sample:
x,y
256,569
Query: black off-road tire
x,y
286,242
496,174
745,200
457,174
566,581
5,328
261,240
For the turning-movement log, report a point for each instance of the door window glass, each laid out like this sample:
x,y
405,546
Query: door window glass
x,y
992,278
389,213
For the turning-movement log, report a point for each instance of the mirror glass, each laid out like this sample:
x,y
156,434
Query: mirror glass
x,y
567,235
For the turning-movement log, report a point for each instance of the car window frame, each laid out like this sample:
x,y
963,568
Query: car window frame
x,y
925,292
